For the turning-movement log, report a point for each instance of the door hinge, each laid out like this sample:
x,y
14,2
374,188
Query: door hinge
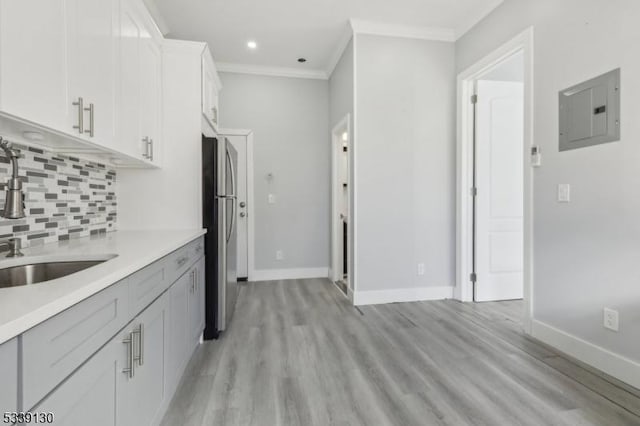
x,y
474,192
474,99
473,277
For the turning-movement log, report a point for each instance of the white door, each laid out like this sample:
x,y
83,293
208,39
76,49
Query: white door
x,y
240,144
500,199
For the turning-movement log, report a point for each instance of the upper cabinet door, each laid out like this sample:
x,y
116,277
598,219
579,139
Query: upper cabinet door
x,y
128,114
210,88
92,57
33,62
151,98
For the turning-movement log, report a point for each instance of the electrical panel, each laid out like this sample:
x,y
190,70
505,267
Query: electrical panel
x,y
590,112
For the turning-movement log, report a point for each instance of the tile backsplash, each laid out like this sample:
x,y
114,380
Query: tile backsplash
x,y
65,197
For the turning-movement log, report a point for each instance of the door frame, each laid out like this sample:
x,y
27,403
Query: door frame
x,y
251,247
464,215
344,125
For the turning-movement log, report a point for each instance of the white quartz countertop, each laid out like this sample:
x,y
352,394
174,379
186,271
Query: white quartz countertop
x,y
26,306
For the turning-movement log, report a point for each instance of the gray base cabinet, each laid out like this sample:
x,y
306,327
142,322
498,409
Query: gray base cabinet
x,y
145,387
90,395
106,362
9,376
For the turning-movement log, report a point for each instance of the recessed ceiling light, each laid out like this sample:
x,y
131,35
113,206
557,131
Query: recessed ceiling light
x,y
252,44
302,60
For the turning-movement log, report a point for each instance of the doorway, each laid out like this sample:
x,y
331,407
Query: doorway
x,y
494,176
242,141
341,199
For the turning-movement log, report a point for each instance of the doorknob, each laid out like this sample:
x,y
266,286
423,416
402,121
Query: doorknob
x,y
243,204
242,214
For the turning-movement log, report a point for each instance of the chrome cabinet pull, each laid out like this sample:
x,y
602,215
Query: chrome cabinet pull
x,y
214,116
146,147
130,368
140,333
91,110
80,104
151,149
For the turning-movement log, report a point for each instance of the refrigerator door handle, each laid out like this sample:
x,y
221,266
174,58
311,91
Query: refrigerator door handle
x,y
233,217
233,176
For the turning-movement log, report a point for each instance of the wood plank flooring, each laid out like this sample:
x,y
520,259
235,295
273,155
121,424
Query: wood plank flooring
x,y
297,353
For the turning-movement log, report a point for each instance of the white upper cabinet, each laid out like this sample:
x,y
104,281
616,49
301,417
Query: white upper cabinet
x,y
93,39
151,99
140,78
34,73
210,88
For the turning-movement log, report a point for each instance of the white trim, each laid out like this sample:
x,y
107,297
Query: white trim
x,y
353,208
272,71
289,274
418,294
464,289
611,363
336,145
361,26
339,51
234,132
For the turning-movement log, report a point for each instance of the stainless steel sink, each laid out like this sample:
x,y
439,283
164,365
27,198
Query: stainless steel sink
x,y
33,273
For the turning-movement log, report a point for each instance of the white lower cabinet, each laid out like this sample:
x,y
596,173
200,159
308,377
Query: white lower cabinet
x,y
144,390
92,394
131,379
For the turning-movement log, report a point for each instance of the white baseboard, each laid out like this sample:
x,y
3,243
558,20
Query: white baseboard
x,y
611,363
289,274
402,295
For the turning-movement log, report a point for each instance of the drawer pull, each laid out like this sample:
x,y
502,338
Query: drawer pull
x,y
182,261
130,369
140,333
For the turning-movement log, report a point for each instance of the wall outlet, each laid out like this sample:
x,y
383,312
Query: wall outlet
x,y
611,320
279,255
420,268
564,193
272,198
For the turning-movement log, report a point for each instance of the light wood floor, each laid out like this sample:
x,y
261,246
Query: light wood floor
x,y
297,353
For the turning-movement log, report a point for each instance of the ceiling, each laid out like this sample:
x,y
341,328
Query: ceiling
x,y
314,29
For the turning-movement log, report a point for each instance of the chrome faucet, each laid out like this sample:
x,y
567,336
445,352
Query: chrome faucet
x,y
14,245
14,200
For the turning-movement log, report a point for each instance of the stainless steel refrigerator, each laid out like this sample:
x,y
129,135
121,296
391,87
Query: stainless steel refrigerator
x,y
219,204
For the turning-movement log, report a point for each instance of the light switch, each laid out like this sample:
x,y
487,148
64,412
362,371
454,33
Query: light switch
x,y
564,193
272,198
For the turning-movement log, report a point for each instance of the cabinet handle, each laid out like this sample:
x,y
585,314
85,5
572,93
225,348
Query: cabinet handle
x,y
151,149
80,104
146,147
130,369
140,333
91,110
215,115
182,261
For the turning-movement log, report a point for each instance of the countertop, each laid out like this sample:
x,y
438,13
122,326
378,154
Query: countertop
x,y
24,307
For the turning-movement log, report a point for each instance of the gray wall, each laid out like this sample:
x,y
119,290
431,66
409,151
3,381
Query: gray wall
x,y
405,176
587,252
290,121
341,103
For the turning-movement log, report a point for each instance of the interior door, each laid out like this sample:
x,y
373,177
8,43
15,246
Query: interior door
x,y
500,196
240,144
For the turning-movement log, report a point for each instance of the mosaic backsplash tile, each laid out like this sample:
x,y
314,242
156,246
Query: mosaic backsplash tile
x,y
65,197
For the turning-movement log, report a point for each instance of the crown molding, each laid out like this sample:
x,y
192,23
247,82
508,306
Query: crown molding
x,y
347,35
360,26
467,26
272,71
